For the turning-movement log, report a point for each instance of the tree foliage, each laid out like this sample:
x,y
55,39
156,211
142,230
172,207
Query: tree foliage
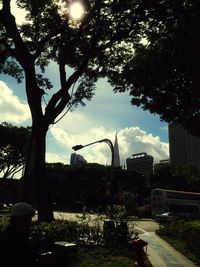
x,y
88,47
13,146
163,74
186,178
75,186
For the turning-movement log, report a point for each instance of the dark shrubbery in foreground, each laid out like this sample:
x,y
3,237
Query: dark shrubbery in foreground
x,y
184,236
91,249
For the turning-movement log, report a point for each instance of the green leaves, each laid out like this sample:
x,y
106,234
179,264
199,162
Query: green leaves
x,y
163,76
12,68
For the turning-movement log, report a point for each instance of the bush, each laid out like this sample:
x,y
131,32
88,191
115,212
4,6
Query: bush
x,y
172,228
43,235
191,235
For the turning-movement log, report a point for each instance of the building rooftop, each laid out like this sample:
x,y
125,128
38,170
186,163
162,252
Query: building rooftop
x,y
140,155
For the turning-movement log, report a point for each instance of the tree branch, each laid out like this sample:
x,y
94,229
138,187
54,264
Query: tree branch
x,y
8,20
44,41
6,5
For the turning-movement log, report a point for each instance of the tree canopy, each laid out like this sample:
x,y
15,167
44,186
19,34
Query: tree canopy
x,y
13,146
163,73
186,178
105,35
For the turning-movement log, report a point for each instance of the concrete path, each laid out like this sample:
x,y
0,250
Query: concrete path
x,y
162,254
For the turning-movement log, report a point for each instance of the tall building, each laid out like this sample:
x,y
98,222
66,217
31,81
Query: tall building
x,y
184,148
141,163
77,159
116,160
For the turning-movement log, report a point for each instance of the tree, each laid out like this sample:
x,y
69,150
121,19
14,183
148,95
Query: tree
x,y
13,145
106,34
183,177
75,186
163,75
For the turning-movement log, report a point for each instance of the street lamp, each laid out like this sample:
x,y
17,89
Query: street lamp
x,y
107,141
110,144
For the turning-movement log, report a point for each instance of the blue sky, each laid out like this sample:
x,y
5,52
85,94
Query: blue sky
x,y
106,113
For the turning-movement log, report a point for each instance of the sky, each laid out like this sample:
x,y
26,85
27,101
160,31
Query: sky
x,y
103,116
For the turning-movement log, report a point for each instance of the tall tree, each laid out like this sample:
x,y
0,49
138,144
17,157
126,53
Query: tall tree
x,y
106,34
163,75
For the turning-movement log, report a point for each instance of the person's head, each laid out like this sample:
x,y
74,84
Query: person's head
x,y
21,214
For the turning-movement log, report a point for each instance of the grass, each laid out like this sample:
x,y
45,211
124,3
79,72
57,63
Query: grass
x,y
104,257
180,245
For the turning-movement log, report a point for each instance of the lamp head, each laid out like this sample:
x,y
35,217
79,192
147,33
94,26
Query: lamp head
x,y
77,147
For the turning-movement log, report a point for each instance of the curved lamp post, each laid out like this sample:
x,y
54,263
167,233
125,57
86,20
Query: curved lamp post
x,y
107,141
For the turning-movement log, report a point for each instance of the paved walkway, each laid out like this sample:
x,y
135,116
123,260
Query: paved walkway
x,y
161,254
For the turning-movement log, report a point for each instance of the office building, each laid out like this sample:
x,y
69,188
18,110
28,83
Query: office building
x,y
141,163
184,148
77,159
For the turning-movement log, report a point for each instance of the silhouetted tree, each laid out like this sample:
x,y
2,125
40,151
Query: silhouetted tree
x,y
13,146
185,178
163,75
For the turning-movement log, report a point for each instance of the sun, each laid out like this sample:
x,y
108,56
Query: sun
x,y
76,10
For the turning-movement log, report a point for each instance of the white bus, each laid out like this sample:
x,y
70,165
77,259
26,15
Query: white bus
x,y
179,202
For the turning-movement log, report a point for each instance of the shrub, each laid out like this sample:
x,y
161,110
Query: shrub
x,y
172,228
191,236
43,235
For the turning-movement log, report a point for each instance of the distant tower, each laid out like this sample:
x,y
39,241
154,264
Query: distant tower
x,y
116,162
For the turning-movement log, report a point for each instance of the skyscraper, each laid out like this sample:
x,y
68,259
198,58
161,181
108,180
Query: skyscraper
x,y
116,160
184,148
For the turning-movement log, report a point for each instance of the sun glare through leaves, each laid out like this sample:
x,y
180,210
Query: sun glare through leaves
x,y
76,10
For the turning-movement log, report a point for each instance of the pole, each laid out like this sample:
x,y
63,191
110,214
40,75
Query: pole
x,y
110,144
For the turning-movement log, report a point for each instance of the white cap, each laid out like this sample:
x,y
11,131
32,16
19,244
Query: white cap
x,y
21,209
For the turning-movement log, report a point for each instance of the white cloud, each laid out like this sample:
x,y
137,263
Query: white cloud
x,y
131,140
11,108
53,157
134,140
77,121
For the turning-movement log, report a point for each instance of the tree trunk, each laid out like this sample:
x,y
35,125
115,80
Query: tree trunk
x,y
35,184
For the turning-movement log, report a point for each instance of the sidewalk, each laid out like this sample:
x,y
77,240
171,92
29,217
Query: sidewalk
x,y
162,254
